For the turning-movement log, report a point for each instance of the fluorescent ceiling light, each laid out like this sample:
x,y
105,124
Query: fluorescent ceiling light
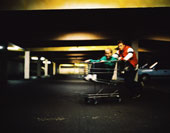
x,y
79,36
48,62
1,47
13,47
34,58
42,58
90,4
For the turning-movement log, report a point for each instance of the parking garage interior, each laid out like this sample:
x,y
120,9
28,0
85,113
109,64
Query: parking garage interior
x,y
48,96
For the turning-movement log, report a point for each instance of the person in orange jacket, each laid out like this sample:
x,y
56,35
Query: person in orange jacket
x,y
128,63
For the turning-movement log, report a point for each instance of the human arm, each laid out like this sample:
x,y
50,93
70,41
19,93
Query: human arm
x,y
129,55
116,55
87,61
109,62
102,59
91,60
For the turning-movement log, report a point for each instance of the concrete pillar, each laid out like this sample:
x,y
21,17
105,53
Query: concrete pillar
x,y
57,67
54,68
46,68
135,46
38,67
3,65
27,65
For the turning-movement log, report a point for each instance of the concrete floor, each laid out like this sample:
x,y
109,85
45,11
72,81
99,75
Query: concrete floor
x,y
56,105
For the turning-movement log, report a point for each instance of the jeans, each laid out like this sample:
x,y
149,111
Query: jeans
x,y
129,76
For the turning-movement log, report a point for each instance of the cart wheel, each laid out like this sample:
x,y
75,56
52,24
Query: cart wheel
x,y
119,100
95,101
88,100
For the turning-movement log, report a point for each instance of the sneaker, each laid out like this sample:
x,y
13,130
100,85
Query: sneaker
x,y
94,77
88,77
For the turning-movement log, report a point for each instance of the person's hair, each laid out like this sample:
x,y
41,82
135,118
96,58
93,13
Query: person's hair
x,y
109,50
125,42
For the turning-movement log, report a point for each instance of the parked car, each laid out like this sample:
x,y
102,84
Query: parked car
x,y
156,70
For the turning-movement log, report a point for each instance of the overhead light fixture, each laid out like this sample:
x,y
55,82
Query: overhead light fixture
x,y
66,65
48,62
1,47
13,47
74,48
42,58
80,36
34,58
89,5
77,49
93,4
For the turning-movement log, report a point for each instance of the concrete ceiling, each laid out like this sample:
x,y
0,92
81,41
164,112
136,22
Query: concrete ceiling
x,y
45,28
79,4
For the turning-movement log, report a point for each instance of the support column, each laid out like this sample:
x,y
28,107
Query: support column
x,y
3,66
46,67
27,65
135,46
38,67
54,68
57,67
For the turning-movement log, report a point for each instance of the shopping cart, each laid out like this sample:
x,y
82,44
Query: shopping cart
x,y
106,84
